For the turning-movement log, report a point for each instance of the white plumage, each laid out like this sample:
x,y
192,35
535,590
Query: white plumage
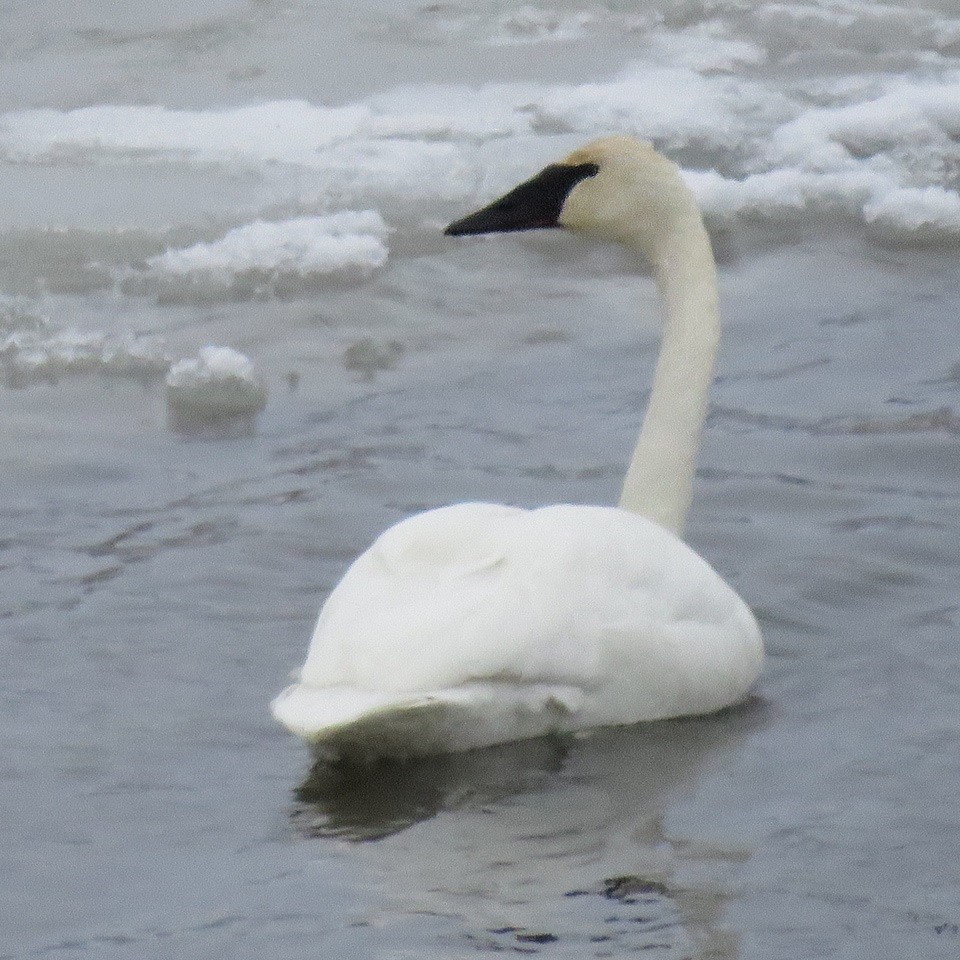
x,y
477,623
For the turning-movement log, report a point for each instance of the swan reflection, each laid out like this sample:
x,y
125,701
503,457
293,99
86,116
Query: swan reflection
x,y
551,841
358,802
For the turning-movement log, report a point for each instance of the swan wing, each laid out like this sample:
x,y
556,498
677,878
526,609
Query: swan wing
x,y
342,721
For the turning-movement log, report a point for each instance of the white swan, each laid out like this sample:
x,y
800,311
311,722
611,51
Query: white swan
x,y
477,623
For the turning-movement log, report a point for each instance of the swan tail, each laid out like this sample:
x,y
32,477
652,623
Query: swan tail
x,y
344,723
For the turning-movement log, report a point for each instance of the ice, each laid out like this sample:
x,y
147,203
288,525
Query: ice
x,y
219,383
528,24
350,242
646,99
926,213
33,348
289,131
781,194
706,46
760,134
903,114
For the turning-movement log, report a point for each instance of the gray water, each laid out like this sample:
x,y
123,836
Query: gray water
x,y
157,584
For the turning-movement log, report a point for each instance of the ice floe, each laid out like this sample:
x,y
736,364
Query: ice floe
x,y
349,243
33,348
735,95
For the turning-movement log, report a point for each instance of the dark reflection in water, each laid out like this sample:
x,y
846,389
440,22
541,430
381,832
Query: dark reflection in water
x,y
560,842
200,425
357,802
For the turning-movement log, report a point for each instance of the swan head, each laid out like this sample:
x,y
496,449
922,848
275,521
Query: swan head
x,y
617,188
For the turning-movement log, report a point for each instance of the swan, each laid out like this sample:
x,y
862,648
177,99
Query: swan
x,y
478,623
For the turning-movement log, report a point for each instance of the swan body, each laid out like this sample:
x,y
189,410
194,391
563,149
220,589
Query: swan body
x,y
478,623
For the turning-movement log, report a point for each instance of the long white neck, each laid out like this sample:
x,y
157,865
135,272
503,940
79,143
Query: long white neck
x,y
659,480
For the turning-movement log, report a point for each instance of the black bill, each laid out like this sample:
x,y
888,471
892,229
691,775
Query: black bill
x,y
533,205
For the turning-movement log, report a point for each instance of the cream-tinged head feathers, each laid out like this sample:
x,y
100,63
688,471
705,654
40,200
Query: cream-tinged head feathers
x,y
637,195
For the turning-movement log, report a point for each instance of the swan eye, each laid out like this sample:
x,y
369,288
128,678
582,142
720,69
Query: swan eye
x,y
533,205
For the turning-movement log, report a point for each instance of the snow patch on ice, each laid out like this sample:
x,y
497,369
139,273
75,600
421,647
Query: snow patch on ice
x,y
350,242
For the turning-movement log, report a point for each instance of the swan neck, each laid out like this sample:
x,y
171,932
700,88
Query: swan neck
x,y
659,480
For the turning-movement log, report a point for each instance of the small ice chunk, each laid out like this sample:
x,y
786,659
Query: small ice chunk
x,y
219,383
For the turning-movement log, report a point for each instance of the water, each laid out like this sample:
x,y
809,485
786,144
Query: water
x,y
158,579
